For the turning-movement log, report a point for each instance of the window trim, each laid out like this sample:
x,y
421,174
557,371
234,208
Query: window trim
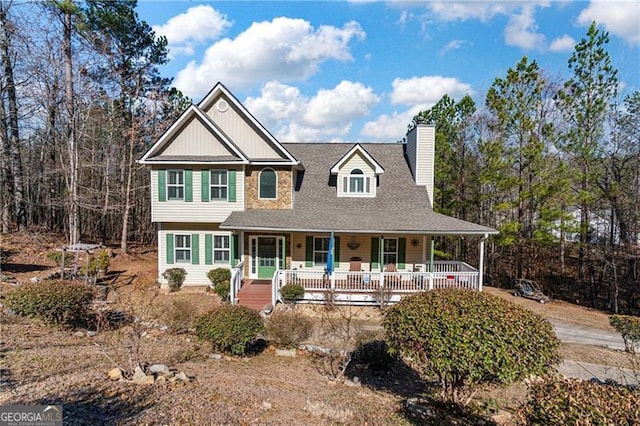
x,y
320,251
170,185
219,172
385,253
260,197
215,249
187,249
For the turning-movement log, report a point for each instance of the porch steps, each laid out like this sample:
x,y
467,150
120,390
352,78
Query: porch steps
x,y
255,294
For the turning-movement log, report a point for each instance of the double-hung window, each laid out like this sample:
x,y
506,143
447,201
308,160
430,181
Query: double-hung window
x,y
175,185
390,251
320,250
221,249
219,186
183,248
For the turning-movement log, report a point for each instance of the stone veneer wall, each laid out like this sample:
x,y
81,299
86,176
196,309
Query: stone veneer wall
x,y
284,189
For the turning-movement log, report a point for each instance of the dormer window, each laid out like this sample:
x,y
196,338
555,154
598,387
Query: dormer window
x,y
268,184
356,181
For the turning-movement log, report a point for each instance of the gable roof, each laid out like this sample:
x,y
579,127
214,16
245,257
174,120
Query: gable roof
x,y
357,148
400,206
220,89
152,156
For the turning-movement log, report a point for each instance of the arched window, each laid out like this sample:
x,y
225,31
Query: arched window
x,y
268,184
356,181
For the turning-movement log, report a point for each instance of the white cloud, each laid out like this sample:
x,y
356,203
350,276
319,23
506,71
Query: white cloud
x,y
521,31
283,49
621,18
426,90
294,117
462,11
389,128
452,45
565,43
198,24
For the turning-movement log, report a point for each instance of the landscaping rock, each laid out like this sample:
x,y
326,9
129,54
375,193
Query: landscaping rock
x,y
266,405
79,333
502,418
115,373
351,383
291,353
215,356
159,369
182,377
138,373
35,279
146,380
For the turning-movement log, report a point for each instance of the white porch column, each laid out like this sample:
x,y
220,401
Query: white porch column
x,y
481,265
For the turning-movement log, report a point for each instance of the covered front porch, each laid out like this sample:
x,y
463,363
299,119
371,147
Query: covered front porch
x,y
357,275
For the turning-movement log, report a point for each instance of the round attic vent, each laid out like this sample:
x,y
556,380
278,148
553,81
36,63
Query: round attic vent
x,y
222,105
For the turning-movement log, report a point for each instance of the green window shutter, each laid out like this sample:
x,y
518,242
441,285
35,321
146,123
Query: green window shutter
x,y
375,253
195,249
162,185
402,252
188,185
308,251
204,185
231,182
208,249
233,247
169,249
336,252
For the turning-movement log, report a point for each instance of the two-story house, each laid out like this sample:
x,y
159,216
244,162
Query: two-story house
x,y
226,193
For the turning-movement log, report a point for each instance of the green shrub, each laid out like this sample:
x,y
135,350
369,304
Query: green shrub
x,y
372,352
175,277
629,327
54,302
292,291
103,260
462,338
56,256
560,401
287,328
219,276
230,328
223,291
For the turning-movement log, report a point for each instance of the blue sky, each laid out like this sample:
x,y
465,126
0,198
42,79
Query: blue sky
x,y
359,70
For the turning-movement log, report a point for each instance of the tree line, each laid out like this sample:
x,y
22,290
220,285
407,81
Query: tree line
x,y
552,164
555,167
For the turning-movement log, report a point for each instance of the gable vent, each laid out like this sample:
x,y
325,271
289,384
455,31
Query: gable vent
x,y
222,105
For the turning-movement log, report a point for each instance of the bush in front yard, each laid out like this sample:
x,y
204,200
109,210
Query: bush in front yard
x,y
221,282
462,338
291,291
629,327
287,328
230,328
557,401
175,277
54,302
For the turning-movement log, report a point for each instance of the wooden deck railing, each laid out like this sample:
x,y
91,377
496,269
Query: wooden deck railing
x,y
365,287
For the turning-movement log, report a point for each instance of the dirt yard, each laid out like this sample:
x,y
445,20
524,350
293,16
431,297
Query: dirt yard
x,y
41,365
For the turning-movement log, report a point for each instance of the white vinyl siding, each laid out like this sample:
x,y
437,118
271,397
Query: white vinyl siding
x,y
241,132
352,184
196,274
195,139
195,211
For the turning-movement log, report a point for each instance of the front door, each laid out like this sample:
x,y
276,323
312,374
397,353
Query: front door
x,y
267,258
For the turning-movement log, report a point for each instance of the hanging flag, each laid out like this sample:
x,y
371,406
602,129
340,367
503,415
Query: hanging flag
x,y
330,254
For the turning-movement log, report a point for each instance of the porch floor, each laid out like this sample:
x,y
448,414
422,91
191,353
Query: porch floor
x,y
255,294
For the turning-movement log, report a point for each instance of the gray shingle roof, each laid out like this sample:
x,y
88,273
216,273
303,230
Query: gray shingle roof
x,y
400,206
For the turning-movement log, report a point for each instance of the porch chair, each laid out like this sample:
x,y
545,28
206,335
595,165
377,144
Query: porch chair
x,y
392,280
355,265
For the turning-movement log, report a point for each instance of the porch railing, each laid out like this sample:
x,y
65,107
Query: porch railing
x,y
236,281
367,287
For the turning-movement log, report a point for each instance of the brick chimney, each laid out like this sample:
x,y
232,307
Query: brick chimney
x,y
420,153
